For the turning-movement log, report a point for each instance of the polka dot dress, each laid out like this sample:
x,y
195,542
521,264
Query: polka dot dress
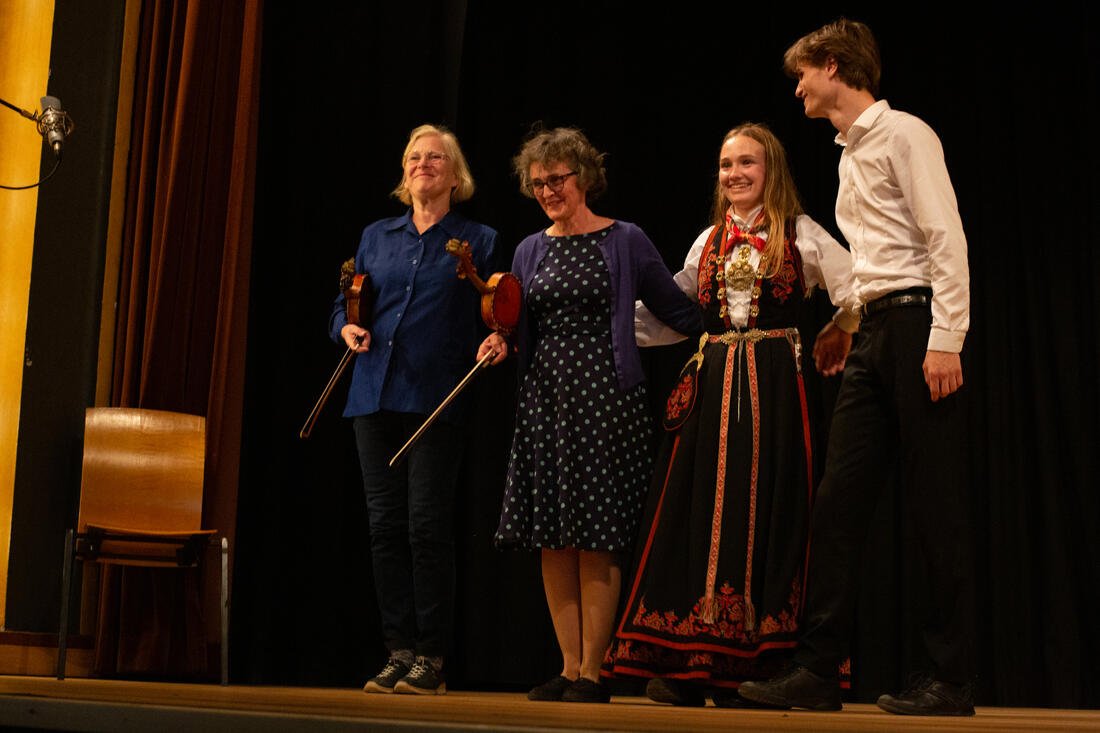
x,y
580,462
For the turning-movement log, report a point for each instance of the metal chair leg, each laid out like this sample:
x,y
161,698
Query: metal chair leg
x,y
225,611
66,590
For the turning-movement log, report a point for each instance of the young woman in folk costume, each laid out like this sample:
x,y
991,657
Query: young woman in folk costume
x,y
720,559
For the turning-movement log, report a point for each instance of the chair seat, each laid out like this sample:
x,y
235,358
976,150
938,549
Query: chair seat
x,y
144,548
168,534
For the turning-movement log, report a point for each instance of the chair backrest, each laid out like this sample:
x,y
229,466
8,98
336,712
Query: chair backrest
x,y
142,469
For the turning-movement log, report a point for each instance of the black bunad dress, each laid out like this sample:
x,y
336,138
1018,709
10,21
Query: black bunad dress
x,y
718,579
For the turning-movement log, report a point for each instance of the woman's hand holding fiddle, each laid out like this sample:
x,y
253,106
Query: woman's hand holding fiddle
x,y
356,337
494,343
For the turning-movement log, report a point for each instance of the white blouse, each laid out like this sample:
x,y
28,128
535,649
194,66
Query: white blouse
x,y
824,263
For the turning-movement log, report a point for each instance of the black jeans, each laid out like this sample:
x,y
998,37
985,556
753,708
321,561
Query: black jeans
x,y
883,412
411,508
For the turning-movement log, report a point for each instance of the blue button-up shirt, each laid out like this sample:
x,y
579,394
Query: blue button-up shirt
x,y
425,320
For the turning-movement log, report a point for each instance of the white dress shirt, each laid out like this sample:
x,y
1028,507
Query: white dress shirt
x,y
824,262
897,209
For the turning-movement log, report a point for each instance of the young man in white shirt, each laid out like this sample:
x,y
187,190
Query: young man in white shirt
x,y
897,209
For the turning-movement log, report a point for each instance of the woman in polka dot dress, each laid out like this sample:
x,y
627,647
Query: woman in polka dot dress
x,y
580,462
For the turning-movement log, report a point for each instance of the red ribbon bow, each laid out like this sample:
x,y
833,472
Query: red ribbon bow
x,y
736,236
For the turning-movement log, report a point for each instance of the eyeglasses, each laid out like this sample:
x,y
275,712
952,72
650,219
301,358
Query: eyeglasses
x,y
429,158
555,182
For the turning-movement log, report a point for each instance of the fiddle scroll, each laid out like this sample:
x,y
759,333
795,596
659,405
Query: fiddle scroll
x,y
358,311
500,297
356,307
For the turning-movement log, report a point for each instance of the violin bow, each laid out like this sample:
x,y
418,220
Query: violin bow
x,y
347,275
431,418
308,427
461,251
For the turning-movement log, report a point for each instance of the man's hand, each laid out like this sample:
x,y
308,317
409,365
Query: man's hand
x,y
831,349
943,373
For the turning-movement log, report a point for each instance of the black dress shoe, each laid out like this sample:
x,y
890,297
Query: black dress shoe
x,y
929,696
797,687
550,691
726,698
585,690
674,692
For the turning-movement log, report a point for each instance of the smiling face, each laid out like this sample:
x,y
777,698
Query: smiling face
x,y
741,172
562,205
429,171
815,88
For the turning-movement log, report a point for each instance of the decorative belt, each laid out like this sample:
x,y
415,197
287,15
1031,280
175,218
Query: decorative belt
x,y
738,339
753,335
913,297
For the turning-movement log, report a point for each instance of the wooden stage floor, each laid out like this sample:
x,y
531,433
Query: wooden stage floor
x,y
119,707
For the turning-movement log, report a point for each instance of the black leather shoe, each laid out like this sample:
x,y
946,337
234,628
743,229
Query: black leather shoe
x,y
797,687
726,698
674,692
929,696
550,691
585,690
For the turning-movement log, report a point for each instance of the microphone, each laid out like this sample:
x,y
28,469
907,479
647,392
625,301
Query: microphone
x,y
54,124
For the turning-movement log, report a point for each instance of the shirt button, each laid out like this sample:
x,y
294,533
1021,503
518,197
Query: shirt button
x,y
414,262
408,288
389,343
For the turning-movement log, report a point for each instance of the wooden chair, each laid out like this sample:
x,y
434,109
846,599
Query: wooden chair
x,y
141,501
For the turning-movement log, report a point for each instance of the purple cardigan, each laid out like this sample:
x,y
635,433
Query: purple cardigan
x,y
637,272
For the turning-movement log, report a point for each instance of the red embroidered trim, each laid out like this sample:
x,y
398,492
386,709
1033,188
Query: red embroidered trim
x,y
754,476
783,281
708,264
809,465
728,625
680,401
709,600
652,530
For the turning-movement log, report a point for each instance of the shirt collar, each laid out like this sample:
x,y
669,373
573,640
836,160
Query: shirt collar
x,y
451,223
744,224
401,222
863,123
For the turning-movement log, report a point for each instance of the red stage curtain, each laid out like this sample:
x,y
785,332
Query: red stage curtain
x,y
183,293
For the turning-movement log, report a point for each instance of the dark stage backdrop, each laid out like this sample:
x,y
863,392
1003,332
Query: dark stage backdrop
x,y
1013,97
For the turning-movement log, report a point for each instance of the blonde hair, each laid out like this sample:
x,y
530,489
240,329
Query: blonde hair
x,y
465,187
781,203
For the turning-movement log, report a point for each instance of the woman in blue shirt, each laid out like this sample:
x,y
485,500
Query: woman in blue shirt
x,y
412,353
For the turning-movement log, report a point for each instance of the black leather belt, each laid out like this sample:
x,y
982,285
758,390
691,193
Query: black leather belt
x,y
901,298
